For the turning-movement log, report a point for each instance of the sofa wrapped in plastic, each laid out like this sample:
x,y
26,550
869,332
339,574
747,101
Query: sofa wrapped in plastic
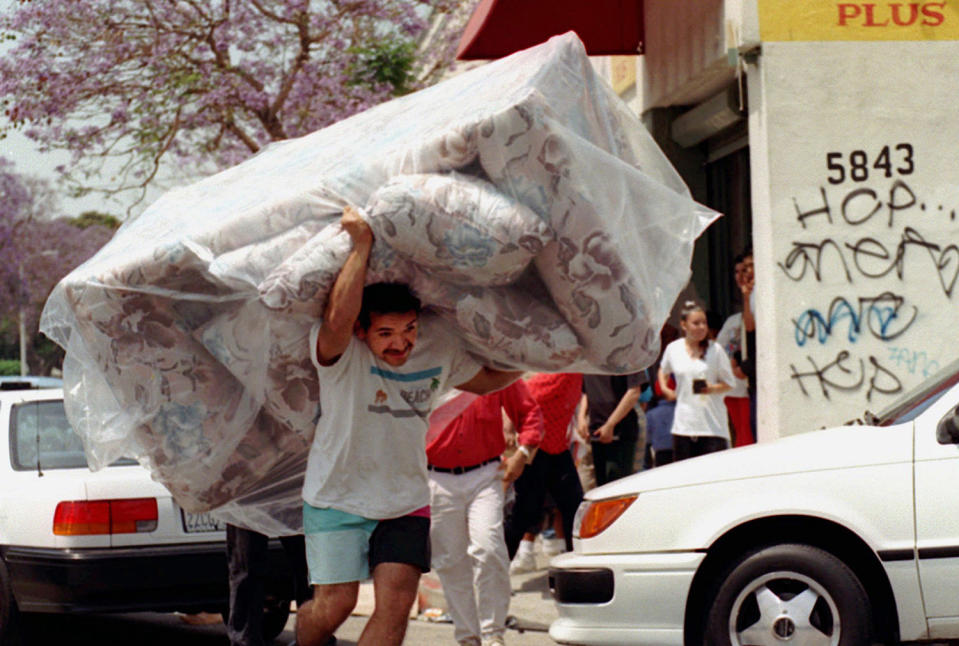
x,y
525,204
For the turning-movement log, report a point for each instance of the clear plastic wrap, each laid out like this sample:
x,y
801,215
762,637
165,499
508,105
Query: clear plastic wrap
x,y
522,200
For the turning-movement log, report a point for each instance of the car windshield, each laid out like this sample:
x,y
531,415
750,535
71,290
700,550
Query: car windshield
x,y
914,402
42,438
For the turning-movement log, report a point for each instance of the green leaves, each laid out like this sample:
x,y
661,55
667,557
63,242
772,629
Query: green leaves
x,y
389,62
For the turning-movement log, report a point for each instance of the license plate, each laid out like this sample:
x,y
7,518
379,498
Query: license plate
x,y
203,522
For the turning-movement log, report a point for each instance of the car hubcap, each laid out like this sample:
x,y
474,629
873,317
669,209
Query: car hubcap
x,y
784,608
784,628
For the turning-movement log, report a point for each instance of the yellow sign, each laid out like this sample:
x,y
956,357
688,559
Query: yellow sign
x,y
813,20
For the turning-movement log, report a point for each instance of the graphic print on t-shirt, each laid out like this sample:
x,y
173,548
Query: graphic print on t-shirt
x,y
417,396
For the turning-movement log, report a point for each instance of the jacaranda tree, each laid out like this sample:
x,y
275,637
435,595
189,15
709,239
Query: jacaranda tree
x,y
204,83
38,248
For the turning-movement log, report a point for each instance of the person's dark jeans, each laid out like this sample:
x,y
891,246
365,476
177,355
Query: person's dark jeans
x,y
665,456
614,460
689,447
556,474
247,561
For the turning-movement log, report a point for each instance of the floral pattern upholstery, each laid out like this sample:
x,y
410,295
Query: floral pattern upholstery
x,y
458,228
521,200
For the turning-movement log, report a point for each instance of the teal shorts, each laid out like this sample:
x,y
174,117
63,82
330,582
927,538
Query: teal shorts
x,y
342,547
337,545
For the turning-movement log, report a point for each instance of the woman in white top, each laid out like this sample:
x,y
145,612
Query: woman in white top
x,y
703,374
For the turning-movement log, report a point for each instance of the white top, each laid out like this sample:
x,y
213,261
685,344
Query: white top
x,y
730,337
697,414
369,453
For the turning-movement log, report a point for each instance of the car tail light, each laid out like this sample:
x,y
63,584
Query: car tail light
x,y
125,516
600,514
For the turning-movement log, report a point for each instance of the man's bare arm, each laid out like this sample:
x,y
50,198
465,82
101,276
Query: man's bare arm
x,y
625,405
489,379
346,296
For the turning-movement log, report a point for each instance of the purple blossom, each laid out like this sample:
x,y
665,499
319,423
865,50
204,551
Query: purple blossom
x,y
200,82
38,249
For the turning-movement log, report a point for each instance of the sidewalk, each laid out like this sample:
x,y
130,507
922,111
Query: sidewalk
x,y
530,604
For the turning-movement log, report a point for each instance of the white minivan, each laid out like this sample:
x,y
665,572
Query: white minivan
x,y
841,537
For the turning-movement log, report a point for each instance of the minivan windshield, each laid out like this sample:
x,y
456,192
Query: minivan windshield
x,y
915,401
41,438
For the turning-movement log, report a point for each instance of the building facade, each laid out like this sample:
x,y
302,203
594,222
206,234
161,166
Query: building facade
x,y
825,131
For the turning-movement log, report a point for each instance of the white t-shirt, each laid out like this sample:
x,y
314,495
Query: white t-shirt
x,y
698,414
730,338
369,453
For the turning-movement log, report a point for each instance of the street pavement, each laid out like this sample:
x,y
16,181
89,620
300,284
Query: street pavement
x,y
530,605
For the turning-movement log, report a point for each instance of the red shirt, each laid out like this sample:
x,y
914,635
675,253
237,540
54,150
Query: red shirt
x,y
476,435
557,396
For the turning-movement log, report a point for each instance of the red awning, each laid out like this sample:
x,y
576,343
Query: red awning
x,y
500,27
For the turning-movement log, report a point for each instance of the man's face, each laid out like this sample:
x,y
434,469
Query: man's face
x,y
391,336
744,271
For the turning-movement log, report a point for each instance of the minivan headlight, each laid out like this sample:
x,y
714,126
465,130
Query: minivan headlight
x,y
594,516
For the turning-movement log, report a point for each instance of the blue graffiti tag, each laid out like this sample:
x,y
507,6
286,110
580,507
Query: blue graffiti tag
x,y
913,360
883,316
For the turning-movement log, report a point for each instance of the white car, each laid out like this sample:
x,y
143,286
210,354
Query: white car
x,y
847,536
72,540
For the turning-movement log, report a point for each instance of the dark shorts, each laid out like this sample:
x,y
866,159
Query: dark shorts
x,y
401,540
343,547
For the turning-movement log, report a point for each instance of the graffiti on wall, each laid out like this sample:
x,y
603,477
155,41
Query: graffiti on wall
x,y
871,242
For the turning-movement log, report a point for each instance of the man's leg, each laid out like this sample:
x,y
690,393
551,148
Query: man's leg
x,y
528,508
623,458
488,555
602,454
450,545
337,554
399,553
562,481
318,618
395,586
246,553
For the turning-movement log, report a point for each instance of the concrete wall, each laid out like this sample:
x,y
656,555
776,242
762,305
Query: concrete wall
x,y
855,201
855,194
855,186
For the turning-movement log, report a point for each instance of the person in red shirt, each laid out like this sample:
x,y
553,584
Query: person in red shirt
x,y
552,469
468,482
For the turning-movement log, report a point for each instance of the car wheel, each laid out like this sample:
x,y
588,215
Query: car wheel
x,y
784,593
9,614
275,614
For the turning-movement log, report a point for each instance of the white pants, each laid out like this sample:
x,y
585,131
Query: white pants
x,y
469,550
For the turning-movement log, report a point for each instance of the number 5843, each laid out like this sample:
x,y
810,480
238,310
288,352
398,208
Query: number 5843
x,y
856,165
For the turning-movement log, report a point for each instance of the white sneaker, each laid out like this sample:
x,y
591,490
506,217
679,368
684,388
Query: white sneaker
x,y
554,546
494,640
524,561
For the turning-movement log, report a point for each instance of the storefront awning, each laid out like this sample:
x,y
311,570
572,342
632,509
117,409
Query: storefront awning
x,y
498,28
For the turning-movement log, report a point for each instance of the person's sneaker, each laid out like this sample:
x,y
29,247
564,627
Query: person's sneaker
x,y
524,561
553,546
494,640
469,641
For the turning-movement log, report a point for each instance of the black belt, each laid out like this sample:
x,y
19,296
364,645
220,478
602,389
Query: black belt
x,y
459,470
